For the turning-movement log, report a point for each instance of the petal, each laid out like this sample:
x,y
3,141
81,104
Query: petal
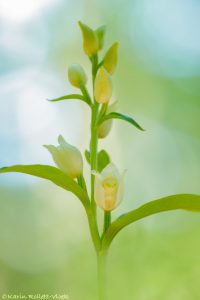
x,y
99,192
110,170
104,129
120,192
55,154
52,149
66,148
62,141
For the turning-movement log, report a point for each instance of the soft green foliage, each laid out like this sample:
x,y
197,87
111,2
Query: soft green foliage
x,y
115,115
70,97
50,173
183,201
103,159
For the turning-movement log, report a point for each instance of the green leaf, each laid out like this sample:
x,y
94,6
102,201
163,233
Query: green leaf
x,y
115,115
100,32
103,160
183,201
70,97
53,174
87,156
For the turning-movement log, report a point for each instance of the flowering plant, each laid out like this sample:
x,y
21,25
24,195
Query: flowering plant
x,y
107,183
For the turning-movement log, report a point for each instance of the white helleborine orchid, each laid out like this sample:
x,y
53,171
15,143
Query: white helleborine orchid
x,y
67,157
109,187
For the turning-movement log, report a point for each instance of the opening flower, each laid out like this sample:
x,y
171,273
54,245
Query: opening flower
x,y
67,157
109,187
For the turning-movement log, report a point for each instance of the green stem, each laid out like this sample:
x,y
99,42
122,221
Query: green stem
x,y
94,137
93,152
94,68
92,217
93,229
101,265
82,183
107,221
102,111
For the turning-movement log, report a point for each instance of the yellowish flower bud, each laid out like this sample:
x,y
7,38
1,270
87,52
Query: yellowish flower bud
x,y
100,32
90,40
76,75
103,86
105,127
110,59
109,187
67,157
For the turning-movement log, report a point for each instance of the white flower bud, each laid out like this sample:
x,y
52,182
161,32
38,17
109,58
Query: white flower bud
x,y
76,75
105,127
103,86
109,187
67,157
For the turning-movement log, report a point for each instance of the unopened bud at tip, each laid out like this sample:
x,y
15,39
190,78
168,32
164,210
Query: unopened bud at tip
x,y
76,75
90,40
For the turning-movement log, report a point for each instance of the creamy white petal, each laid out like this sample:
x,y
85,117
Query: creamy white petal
x,y
99,191
120,192
110,170
67,157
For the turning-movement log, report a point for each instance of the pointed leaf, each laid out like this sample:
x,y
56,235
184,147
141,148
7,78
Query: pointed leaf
x,y
103,160
115,115
100,32
87,156
183,201
70,97
53,174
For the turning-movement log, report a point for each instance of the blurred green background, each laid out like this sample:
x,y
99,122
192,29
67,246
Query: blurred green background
x,y
44,239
